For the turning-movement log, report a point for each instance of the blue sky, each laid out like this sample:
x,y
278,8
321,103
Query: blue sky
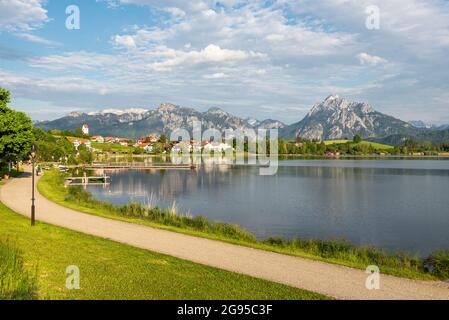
x,y
262,59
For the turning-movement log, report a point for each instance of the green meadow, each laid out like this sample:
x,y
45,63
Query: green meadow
x,y
34,261
375,145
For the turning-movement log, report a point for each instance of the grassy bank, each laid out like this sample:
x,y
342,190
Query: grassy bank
x,y
339,252
375,145
116,148
16,283
109,270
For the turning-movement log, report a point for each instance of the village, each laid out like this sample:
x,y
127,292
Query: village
x,y
151,144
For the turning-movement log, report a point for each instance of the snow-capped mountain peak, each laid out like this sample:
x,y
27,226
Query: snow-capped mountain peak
x,y
332,98
252,122
165,119
119,112
75,114
167,107
217,111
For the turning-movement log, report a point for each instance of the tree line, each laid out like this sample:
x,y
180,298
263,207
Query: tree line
x,y
357,147
17,135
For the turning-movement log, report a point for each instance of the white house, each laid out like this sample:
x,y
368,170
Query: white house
x,y
182,146
217,147
99,139
147,147
79,141
85,129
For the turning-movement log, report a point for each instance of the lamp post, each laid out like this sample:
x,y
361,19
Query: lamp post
x,y
33,208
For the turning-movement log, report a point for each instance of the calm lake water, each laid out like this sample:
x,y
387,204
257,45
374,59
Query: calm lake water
x,y
399,205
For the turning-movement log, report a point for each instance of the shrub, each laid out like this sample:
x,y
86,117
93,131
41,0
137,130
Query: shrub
x,y
168,217
344,250
438,264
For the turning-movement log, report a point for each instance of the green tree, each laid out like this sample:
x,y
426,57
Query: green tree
x,y
282,146
50,148
321,148
78,133
163,139
16,133
158,148
357,138
85,156
41,135
411,145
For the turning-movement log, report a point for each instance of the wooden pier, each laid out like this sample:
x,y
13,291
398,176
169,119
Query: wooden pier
x,y
141,165
87,180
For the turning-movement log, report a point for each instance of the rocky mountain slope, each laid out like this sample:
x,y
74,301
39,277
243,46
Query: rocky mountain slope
x,y
167,117
334,118
337,118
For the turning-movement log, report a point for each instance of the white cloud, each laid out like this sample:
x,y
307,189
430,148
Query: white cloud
x,y
22,14
251,27
211,54
49,85
186,6
218,75
124,41
21,17
74,61
286,54
366,59
417,25
175,12
36,39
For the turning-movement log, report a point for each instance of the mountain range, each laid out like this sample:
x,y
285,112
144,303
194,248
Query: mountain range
x,y
334,118
422,124
337,118
134,123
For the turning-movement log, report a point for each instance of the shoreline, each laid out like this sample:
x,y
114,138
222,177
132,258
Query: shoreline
x,y
305,273
310,274
337,251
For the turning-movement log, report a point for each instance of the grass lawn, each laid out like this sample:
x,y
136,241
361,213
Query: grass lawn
x,y
329,251
375,145
110,270
113,147
331,142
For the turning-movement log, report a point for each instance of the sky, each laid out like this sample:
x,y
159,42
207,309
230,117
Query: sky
x,y
259,58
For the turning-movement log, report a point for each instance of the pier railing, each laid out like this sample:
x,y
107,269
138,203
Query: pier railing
x,y
140,165
84,180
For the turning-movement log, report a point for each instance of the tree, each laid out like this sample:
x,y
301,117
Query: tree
x,y
50,148
85,156
357,138
321,148
163,139
16,133
78,133
411,144
4,97
282,146
158,148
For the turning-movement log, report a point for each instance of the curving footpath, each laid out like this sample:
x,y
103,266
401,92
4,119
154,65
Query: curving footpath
x,y
332,280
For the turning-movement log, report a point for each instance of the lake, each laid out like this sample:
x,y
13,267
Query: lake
x,y
398,205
